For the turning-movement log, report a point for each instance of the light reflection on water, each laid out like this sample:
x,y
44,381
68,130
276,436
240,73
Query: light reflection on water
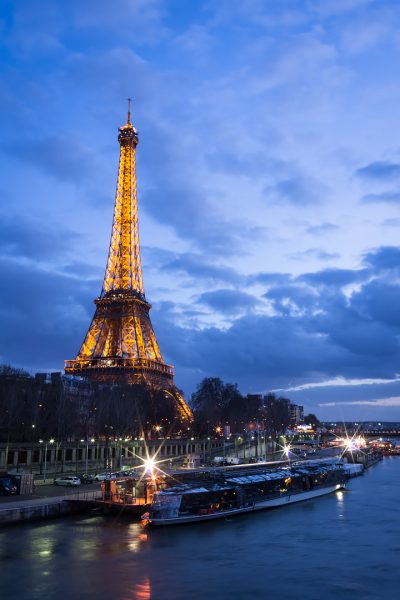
x,y
345,546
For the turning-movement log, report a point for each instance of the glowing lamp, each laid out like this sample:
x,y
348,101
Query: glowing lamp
x,y
149,465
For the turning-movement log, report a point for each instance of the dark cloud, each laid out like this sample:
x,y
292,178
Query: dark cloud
x,y
334,277
317,332
269,278
174,198
384,258
185,210
292,299
65,157
196,267
228,301
389,197
316,253
297,189
30,238
83,270
380,170
379,301
321,229
44,315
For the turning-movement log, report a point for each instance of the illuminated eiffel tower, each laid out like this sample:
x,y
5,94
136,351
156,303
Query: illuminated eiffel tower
x,y
120,346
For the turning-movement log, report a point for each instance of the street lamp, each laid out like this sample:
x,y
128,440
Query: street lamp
x,y
87,452
51,441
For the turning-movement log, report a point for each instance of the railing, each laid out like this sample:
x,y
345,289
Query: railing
x,y
87,495
119,363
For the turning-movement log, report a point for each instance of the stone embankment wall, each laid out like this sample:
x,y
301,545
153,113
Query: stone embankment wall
x,y
33,510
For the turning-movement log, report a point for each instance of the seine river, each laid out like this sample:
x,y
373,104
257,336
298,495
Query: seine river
x,y
346,546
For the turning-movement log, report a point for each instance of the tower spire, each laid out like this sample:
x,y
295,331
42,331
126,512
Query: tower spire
x,y
124,266
129,111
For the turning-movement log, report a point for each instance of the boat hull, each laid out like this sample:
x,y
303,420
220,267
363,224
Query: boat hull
x,y
272,503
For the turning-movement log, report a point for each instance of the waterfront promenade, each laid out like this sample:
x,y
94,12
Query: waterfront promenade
x,y
48,502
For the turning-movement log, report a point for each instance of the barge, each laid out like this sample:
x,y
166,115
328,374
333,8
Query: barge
x,y
243,491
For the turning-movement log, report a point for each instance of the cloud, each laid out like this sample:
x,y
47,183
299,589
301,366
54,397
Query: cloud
x,y
334,277
316,337
299,190
292,299
30,238
380,170
247,164
385,258
269,278
228,301
338,382
64,157
321,229
377,300
391,222
380,402
197,268
318,253
337,7
44,315
389,197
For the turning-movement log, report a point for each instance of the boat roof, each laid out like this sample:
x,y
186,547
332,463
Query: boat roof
x,y
249,477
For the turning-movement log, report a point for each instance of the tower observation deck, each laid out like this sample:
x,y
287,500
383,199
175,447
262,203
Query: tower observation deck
x,y
120,345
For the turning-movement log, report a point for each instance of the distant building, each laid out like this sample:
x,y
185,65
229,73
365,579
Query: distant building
x,y
255,398
296,414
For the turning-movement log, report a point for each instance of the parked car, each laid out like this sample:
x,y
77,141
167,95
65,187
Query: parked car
x,y
7,487
85,477
70,480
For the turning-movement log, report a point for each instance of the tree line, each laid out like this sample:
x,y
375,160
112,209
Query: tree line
x,y
33,408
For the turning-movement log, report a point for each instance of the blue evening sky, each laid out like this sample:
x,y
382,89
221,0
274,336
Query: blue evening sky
x,y
269,187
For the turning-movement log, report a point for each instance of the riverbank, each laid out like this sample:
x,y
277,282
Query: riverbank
x,y
20,511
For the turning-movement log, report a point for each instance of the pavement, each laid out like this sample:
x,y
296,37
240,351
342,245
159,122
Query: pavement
x,y
44,492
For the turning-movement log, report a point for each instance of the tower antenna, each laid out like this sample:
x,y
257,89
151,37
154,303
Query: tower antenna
x,y
129,110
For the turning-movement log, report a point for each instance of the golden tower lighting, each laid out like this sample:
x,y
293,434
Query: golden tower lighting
x,y
120,345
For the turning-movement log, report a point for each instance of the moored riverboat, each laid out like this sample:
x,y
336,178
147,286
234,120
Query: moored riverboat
x,y
130,495
243,491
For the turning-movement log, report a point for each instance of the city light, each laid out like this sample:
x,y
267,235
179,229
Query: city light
x,y
287,449
149,465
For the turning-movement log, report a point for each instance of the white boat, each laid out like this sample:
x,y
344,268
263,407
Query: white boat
x,y
353,469
243,491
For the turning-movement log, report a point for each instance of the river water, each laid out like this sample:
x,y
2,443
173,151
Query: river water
x,y
345,545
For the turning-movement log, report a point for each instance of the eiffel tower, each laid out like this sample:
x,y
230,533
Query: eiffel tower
x,y
120,345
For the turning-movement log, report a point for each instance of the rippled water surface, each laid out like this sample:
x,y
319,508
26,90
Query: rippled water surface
x,y
343,546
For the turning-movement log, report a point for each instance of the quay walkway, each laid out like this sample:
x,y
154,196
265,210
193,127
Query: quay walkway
x,y
13,510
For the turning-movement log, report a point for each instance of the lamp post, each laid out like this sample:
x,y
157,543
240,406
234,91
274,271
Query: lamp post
x,y
32,446
77,454
41,455
92,440
51,441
